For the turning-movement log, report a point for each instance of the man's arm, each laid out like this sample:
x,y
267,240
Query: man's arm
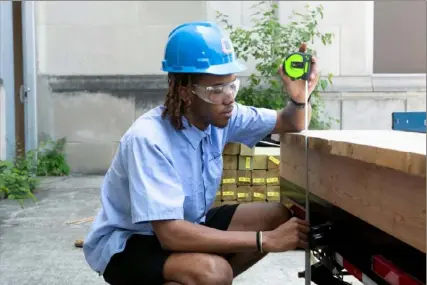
x,y
180,235
157,197
291,119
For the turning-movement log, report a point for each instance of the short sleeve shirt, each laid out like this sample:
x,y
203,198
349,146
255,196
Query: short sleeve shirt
x,y
160,173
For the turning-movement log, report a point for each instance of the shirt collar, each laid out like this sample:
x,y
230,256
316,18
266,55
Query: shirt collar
x,y
195,135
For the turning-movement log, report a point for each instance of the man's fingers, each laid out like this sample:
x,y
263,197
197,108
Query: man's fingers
x,y
303,47
303,222
313,60
314,65
281,70
303,228
303,236
313,77
303,244
283,75
314,74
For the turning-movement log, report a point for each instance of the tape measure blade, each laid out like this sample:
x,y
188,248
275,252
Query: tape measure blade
x,y
307,190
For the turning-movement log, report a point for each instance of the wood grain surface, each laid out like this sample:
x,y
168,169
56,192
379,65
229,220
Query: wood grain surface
x,y
398,150
370,174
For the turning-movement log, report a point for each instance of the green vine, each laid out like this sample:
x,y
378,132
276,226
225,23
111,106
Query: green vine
x,y
18,179
269,42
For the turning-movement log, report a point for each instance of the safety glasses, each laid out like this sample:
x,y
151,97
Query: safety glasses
x,y
217,93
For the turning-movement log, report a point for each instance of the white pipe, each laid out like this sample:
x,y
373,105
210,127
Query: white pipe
x,y
30,70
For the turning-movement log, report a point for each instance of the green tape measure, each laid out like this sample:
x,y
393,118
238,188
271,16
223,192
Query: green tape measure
x,y
297,66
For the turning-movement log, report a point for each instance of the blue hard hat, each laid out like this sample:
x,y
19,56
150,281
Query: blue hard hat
x,y
200,47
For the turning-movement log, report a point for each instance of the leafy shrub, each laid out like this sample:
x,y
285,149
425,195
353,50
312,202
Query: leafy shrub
x,y
18,180
269,42
15,183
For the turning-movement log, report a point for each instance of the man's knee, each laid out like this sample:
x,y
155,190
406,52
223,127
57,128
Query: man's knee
x,y
215,270
277,214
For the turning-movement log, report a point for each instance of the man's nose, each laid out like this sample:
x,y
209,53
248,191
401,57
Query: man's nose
x,y
228,98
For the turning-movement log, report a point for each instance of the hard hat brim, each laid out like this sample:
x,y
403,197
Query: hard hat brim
x,y
228,68
220,69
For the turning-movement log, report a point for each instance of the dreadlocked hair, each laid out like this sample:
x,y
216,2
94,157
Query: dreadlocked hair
x,y
175,105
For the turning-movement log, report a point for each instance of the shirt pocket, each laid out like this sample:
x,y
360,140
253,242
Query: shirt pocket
x,y
193,201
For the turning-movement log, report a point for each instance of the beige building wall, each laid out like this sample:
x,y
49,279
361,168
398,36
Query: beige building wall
x,y
128,37
108,37
99,68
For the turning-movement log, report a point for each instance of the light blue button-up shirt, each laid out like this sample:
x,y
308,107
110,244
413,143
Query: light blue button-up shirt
x,y
160,173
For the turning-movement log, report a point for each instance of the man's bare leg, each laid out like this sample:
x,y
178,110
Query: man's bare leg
x,y
204,268
197,268
255,217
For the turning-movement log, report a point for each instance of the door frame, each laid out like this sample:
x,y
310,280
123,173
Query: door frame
x,y
30,73
7,74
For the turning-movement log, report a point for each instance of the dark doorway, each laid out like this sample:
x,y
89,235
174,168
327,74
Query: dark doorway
x,y
19,77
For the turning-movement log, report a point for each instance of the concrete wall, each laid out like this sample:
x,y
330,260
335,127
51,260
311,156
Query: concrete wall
x,y
108,38
99,68
369,102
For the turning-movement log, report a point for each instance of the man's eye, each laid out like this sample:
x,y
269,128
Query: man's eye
x,y
217,91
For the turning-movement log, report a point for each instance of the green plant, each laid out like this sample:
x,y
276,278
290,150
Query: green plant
x,y
269,42
18,180
17,184
51,158
47,160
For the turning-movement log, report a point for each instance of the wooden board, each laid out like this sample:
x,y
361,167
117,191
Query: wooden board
x,y
265,156
402,151
378,176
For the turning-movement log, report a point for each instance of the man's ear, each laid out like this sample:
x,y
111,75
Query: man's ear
x,y
186,95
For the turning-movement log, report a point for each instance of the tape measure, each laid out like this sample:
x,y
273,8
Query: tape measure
x,y
297,66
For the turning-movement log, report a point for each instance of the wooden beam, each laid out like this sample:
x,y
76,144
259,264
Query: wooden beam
x,y
376,176
402,151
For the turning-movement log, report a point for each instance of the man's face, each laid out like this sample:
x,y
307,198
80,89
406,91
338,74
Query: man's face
x,y
219,113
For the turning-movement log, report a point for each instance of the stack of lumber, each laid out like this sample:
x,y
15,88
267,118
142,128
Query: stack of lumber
x,y
249,174
377,176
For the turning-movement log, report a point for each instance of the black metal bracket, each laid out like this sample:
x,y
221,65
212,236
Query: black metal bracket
x,y
321,275
325,271
320,235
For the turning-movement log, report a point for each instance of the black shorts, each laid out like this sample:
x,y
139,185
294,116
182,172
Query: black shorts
x,y
142,260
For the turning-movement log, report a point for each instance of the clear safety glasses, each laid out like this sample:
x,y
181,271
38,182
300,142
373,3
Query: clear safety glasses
x,y
217,93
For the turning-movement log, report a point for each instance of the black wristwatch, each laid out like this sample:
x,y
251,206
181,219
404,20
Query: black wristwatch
x,y
298,104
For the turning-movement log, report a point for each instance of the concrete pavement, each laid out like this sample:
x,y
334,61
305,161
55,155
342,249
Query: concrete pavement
x,y
37,246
